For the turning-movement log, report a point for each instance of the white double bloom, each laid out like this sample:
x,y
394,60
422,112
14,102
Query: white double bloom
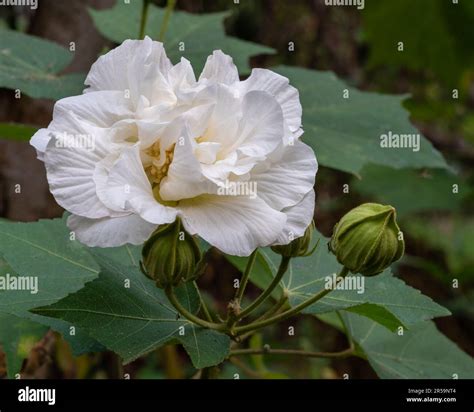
x,y
165,143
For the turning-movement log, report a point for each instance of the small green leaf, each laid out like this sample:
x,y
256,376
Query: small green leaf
x,y
422,352
377,313
199,34
128,314
345,132
18,132
31,65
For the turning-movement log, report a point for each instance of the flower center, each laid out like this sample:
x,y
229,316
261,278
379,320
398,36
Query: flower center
x,y
158,168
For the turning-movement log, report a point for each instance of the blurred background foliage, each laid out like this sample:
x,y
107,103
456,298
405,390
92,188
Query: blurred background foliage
x,y
435,71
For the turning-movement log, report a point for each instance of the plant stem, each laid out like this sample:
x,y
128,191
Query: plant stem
x,y
166,18
145,7
204,307
275,308
267,351
267,292
282,316
245,277
188,315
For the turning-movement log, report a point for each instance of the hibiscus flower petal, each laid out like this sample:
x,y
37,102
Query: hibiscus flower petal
x,y
278,86
128,189
299,217
289,178
236,225
185,178
99,109
135,66
220,68
111,232
261,126
70,159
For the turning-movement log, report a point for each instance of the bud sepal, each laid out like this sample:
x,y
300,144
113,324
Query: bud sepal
x,y
367,239
299,247
172,256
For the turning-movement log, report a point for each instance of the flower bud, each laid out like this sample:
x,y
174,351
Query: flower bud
x,y
297,247
367,239
171,256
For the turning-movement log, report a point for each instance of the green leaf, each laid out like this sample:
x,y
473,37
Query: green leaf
x,y
127,255
453,238
80,342
449,27
422,352
377,313
18,132
42,251
200,34
383,298
135,320
345,133
412,191
32,65
17,337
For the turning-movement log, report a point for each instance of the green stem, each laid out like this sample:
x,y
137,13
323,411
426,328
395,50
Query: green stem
x,y
267,351
268,291
204,307
166,18
275,308
245,277
188,315
285,315
146,6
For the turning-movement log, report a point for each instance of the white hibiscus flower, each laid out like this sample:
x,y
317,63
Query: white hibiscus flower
x,y
147,143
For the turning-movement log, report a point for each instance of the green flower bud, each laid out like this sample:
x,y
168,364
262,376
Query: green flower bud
x,y
367,239
171,256
297,247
